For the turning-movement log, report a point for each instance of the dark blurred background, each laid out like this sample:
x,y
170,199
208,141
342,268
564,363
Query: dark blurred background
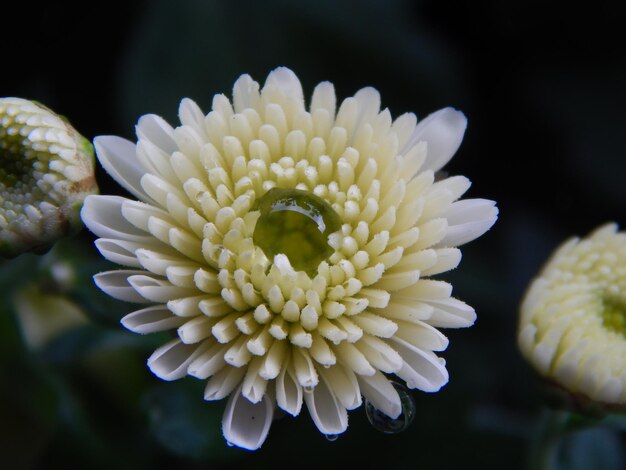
x,y
544,88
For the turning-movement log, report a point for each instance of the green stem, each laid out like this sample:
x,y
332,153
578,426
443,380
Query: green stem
x,y
546,443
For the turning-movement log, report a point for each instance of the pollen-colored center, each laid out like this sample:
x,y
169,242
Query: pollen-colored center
x,y
295,223
614,315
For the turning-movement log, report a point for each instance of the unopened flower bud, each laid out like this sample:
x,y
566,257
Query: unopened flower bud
x,y
46,171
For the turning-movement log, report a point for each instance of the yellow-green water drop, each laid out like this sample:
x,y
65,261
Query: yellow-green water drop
x,y
295,223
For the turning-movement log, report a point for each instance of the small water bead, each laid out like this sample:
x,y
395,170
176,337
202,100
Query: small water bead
x,y
331,437
388,425
295,223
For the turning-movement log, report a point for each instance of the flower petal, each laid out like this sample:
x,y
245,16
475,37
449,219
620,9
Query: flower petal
x,y
443,132
328,414
246,94
343,384
451,313
286,81
381,394
246,425
171,360
151,320
421,369
118,251
155,129
467,220
223,383
118,157
190,114
288,390
115,283
103,216
156,289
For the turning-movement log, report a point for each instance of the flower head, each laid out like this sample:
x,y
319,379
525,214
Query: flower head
x,y
572,326
46,170
291,248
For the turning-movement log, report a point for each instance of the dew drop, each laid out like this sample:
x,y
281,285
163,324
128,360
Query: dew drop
x,y
331,437
384,423
295,223
308,389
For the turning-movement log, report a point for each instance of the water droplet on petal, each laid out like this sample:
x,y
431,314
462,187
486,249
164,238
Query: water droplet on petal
x,y
308,389
297,224
331,437
388,425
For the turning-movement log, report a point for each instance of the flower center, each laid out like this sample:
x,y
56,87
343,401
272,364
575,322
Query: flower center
x,y
295,223
614,314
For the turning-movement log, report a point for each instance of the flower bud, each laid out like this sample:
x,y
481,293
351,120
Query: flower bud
x,y
572,326
46,171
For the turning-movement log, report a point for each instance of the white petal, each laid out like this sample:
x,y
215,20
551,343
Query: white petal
x,y
343,383
246,425
368,99
403,126
467,220
324,98
421,369
155,129
381,394
327,413
118,157
210,361
382,356
254,386
246,94
103,216
115,283
288,390
458,235
305,371
451,313
156,289
421,335
139,214
470,210
222,383
171,360
151,320
287,81
118,251
190,114
443,132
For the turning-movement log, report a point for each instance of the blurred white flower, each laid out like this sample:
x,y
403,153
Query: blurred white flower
x,y
291,247
572,325
46,170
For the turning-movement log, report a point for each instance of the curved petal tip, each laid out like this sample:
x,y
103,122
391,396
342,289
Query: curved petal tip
x,y
247,424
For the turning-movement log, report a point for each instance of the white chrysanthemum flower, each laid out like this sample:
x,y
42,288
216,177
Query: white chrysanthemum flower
x,y
46,171
573,319
232,201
